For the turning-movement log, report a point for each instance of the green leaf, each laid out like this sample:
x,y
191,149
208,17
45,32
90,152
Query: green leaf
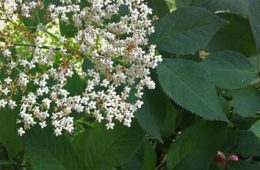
x,y
255,61
169,124
78,142
238,6
185,119
160,8
47,151
8,132
144,159
244,143
254,17
38,17
255,128
68,29
152,114
149,161
198,143
243,165
187,84
186,30
235,36
229,70
106,149
246,101
75,85
242,123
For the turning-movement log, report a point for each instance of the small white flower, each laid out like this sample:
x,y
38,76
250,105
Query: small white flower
x,y
5,91
8,80
12,104
110,125
21,131
40,27
3,103
43,124
46,102
7,53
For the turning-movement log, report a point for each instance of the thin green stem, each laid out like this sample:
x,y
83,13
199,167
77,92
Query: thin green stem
x,y
258,64
35,46
51,34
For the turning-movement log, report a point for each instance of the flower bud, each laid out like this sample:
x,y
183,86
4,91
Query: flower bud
x,y
220,157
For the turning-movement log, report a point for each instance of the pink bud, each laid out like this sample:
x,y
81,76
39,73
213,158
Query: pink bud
x,y
220,157
233,158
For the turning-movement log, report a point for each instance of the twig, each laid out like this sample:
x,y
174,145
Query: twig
x,y
35,46
162,162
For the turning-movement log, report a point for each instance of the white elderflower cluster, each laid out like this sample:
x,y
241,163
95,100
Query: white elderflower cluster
x,y
112,35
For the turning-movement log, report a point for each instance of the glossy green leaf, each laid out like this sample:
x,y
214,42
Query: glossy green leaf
x,y
106,149
254,17
196,147
229,70
186,30
152,114
235,36
187,84
247,101
238,6
47,151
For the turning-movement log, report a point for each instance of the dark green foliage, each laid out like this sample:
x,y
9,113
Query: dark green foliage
x,y
188,85
160,8
246,101
107,149
242,165
186,30
46,151
254,17
206,100
229,70
238,6
8,133
199,143
235,36
145,159
152,114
